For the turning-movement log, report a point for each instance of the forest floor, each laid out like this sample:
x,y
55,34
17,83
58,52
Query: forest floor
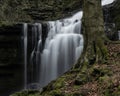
x,y
93,80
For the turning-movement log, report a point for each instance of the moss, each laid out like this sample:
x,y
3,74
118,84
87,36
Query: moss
x,y
6,23
23,93
84,75
84,67
105,53
104,79
106,84
59,83
81,79
107,93
76,70
56,93
27,93
100,72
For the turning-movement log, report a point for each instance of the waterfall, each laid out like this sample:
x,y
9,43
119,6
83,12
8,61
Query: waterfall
x,y
25,54
47,55
118,35
63,47
35,54
106,2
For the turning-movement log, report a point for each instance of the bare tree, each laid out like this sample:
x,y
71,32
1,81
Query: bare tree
x,y
95,50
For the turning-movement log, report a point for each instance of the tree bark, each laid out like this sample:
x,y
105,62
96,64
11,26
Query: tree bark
x,y
93,32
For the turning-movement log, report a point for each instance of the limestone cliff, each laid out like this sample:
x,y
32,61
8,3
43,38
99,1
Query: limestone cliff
x,y
29,10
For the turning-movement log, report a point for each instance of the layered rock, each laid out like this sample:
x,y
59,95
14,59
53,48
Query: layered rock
x,y
29,10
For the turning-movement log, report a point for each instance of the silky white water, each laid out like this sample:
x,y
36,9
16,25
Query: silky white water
x,y
63,46
106,2
25,54
35,52
62,49
118,35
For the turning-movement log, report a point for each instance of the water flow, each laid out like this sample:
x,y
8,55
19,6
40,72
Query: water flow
x,y
25,54
63,47
106,2
36,47
118,35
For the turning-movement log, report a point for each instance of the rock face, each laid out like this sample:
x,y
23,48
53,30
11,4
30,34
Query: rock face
x,y
10,59
13,11
10,44
112,19
28,10
11,55
53,9
115,14
34,10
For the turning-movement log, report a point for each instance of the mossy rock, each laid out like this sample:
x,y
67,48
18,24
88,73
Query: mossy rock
x,y
57,84
56,93
60,83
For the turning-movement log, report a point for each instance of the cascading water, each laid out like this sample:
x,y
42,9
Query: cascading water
x,y
44,62
106,2
25,53
34,52
63,47
118,35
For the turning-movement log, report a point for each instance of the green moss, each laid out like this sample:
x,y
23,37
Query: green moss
x,y
104,79
6,23
84,67
84,75
56,93
59,83
107,93
54,85
99,72
76,70
81,79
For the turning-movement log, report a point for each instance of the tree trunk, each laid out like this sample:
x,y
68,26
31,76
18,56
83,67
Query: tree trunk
x,y
93,32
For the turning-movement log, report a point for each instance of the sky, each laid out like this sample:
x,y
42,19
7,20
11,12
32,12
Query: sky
x,y
105,2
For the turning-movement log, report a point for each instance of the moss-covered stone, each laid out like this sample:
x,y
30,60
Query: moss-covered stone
x,y
55,85
60,83
56,93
